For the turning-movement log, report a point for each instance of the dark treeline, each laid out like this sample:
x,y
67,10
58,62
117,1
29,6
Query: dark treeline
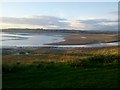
x,y
59,30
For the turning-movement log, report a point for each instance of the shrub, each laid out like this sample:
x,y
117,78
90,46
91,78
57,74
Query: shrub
x,y
95,61
104,59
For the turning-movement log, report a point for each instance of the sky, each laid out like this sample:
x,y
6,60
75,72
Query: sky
x,y
60,15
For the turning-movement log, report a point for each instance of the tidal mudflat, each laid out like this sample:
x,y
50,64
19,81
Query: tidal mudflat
x,y
51,39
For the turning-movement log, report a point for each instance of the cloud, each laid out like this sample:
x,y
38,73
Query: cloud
x,y
74,24
100,24
113,12
96,21
51,22
48,21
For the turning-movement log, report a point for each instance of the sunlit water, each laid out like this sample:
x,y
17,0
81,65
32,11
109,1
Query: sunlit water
x,y
29,39
40,39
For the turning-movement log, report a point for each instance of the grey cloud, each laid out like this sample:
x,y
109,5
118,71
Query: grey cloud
x,y
113,12
105,27
56,22
96,21
37,20
96,24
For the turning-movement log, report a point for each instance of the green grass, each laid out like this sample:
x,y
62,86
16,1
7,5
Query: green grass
x,y
62,78
99,71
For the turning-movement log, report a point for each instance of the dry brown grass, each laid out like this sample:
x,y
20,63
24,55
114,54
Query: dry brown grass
x,y
66,56
95,51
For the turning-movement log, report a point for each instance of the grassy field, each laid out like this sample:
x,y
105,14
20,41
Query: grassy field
x,y
62,76
98,69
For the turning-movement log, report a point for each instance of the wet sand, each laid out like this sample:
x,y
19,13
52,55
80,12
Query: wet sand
x,y
80,39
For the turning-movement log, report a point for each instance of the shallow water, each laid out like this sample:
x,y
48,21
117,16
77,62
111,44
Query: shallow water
x,y
17,39
29,39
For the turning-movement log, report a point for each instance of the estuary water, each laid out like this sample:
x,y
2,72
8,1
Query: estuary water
x,y
17,39
29,39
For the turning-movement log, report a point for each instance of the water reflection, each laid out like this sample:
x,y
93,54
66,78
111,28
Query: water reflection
x,y
26,39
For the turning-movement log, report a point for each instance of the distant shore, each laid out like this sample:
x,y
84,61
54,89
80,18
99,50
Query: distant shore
x,y
60,31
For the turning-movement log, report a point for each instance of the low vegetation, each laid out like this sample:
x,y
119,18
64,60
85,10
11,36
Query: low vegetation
x,y
42,55
93,71
94,61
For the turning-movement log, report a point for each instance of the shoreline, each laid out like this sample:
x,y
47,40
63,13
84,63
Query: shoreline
x,y
93,45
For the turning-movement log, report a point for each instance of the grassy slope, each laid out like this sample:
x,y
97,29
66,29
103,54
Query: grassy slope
x,y
95,72
63,77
